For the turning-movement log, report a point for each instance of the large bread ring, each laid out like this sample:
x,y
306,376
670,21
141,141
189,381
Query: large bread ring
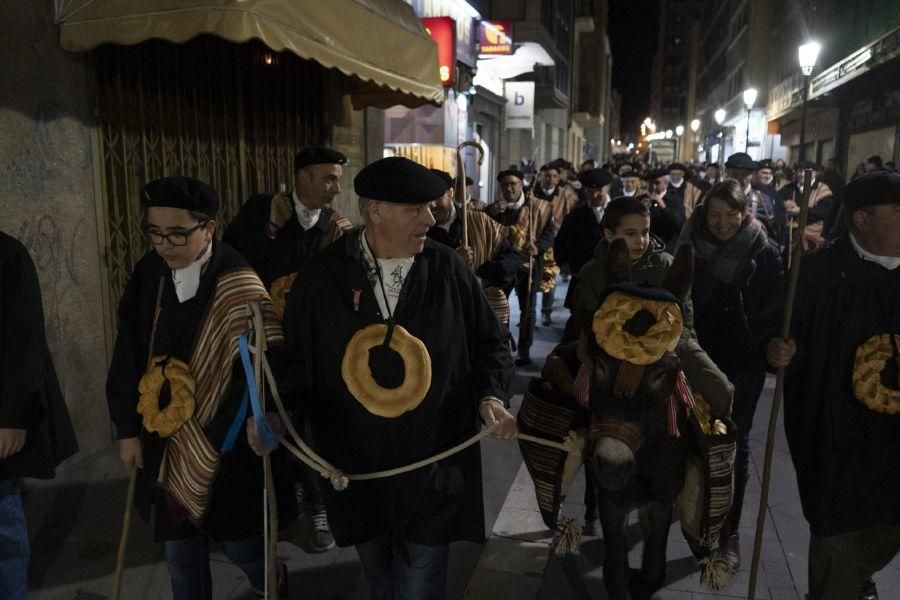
x,y
181,391
871,357
279,291
387,402
662,337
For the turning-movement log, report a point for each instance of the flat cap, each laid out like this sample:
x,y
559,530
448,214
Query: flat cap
x,y
740,160
181,192
595,178
318,155
872,189
510,173
656,174
400,180
445,177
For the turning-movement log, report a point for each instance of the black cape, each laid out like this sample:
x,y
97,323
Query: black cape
x,y
442,304
30,397
847,456
235,510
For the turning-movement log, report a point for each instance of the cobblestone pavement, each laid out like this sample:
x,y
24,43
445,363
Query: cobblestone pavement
x,y
75,520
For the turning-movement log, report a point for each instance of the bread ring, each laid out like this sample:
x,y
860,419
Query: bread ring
x,y
662,337
387,402
871,357
181,390
279,291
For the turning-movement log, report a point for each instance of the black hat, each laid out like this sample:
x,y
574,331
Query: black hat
x,y
740,160
714,165
656,174
469,181
318,155
872,189
595,178
677,167
632,173
181,192
808,164
398,179
527,167
445,176
511,172
765,163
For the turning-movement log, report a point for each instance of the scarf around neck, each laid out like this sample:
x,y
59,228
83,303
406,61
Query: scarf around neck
x,y
731,262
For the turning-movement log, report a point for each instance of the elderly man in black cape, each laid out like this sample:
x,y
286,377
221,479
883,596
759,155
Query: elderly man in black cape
x,y
388,277
35,430
842,394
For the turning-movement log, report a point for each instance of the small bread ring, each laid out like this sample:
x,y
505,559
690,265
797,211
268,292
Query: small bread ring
x,y
871,357
279,291
662,337
181,391
387,402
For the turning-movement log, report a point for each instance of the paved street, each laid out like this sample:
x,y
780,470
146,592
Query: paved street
x,y
75,522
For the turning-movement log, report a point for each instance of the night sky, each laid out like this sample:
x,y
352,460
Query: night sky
x,y
633,31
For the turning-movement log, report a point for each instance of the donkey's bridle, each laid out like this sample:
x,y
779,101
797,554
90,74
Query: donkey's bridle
x,y
623,431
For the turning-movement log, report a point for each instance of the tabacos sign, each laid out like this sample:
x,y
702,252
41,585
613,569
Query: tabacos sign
x,y
495,37
443,31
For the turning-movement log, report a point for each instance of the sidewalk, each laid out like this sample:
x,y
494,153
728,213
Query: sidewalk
x,y
75,521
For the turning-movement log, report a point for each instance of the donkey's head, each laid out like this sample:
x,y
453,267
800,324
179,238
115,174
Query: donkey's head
x,y
630,360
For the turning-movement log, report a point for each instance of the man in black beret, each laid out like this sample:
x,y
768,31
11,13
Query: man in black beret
x,y
531,233
841,398
713,174
474,204
688,192
179,315
388,275
562,198
277,234
666,210
821,203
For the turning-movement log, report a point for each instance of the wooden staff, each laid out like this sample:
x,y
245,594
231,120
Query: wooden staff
x,y
793,278
460,189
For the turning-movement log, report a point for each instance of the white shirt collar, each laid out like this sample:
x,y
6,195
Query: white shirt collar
x,y
446,226
627,193
305,216
549,192
748,189
187,280
888,262
520,202
599,211
676,185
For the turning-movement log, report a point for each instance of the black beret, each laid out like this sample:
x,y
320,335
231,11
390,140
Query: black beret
x,y
317,155
714,165
808,164
632,173
551,165
595,178
740,160
469,181
872,189
181,192
656,174
606,166
677,167
398,179
445,177
511,172
765,163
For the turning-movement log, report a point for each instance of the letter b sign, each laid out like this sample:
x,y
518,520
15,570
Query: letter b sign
x,y
519,99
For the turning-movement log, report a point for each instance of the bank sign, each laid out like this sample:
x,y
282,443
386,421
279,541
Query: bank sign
x,y
495,38
519,104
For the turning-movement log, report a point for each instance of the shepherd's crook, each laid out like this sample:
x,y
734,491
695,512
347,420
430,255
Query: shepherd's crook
x,y
779,387
460,190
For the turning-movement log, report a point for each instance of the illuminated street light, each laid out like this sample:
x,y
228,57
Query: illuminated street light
x,y
679,131
720,115
668,133
749,100
808,54
695,125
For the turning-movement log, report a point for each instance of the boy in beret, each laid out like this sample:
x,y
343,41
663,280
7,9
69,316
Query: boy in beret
x,y
183,309
841,408
388,272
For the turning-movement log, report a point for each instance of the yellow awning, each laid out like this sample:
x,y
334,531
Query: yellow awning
x,y
381,42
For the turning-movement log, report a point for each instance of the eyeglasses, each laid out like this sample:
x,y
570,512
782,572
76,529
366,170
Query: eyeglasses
x,y
175,238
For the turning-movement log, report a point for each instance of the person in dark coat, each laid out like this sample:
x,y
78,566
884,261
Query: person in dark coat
x,y
737,270
180,315
581,230
36,432
761,203
388,275
666,210
842,400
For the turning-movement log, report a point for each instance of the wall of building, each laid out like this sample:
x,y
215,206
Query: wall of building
x,y
47,188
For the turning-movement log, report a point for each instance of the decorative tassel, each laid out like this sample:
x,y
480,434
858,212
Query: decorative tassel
x,y
568,537
715,572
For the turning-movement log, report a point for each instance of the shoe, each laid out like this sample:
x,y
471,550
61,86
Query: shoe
x,y
310,532
546,321
523,361
867,590
281,587
730,550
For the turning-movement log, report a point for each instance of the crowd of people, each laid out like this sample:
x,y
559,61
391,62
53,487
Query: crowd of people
x,y
428,276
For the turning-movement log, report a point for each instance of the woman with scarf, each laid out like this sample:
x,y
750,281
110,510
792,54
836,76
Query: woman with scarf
x,y
737,272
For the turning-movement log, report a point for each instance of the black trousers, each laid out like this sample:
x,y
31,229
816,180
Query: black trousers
x,y
527,306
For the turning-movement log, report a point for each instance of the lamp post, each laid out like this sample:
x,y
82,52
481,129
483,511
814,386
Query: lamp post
x,y
749,101
808,54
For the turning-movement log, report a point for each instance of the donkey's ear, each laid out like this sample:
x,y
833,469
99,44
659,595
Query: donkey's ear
x,y
618,264
680,275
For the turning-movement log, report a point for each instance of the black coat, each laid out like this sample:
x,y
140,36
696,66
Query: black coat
x,y
574,244
441,304
236,502
847,457
30,397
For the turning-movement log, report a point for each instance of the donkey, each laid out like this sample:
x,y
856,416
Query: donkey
x,y
636,462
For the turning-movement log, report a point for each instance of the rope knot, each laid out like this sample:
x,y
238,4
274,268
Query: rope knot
x,y
338,480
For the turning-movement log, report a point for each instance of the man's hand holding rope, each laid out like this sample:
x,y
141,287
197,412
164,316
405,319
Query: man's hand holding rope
x,y
492,412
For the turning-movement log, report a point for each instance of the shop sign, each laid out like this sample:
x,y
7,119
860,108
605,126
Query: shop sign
x,y
443,31
465,24
495,37
519,104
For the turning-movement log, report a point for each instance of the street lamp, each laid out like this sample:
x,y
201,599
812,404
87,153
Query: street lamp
x,y
808,54
749,101
695,125
720,116
679,131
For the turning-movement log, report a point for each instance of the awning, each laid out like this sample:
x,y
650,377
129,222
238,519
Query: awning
x,y
382,43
